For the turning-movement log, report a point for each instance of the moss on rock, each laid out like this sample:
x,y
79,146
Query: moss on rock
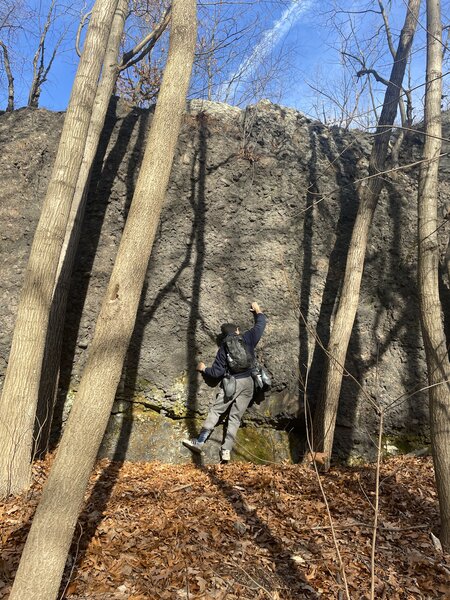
x,y
404,443
262,445
143,434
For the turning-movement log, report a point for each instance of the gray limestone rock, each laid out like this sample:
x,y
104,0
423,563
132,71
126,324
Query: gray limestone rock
x,y
260,206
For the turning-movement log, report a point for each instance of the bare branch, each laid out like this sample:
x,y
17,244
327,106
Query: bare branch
x,y
446,41
35,89
79,31
376,507
145,45
352,56
387,30
10,77
310,442
232,39
377,76
356,12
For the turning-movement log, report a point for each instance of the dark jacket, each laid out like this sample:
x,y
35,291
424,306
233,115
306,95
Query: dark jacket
x,y
251,338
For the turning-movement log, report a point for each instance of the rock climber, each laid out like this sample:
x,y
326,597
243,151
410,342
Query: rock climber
x,y
235,358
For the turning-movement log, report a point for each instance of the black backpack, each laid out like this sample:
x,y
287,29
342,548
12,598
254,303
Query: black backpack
x,y
239,358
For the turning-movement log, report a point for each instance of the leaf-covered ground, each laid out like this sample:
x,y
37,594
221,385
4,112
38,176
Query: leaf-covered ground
x,y
243,531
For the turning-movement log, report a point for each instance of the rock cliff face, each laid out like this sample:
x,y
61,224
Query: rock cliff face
x,y
260,206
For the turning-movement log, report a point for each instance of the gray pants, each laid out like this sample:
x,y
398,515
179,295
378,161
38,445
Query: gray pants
x,y
238,402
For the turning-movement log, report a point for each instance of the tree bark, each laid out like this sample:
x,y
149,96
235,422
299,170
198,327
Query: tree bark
x,y
327,405
9,75
21,385
395,151
428,272
45,551
50,372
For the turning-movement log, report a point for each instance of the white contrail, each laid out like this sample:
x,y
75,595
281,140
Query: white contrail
x,y
269,40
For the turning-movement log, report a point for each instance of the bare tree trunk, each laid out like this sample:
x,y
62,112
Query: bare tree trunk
x,y
40,69
9,75
50,373
395,151
21,385
428,272
45,552
326,410
38,61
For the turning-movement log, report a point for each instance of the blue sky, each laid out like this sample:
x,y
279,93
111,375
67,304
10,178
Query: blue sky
x,y
299,28
55,95
23,43
288,22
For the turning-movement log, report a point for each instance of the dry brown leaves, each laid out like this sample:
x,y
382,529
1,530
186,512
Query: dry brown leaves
x,y
154,531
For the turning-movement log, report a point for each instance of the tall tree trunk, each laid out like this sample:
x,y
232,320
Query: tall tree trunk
x,y
428,273
326,409
21,385
50,373
9,75
45,551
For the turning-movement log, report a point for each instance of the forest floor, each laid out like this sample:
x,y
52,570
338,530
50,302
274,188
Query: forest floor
x,y
158,531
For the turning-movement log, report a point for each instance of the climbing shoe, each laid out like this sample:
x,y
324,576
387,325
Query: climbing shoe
x,y
225,455
193,445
